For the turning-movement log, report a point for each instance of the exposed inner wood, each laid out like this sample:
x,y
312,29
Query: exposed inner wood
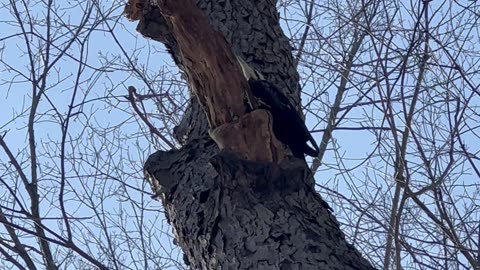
x,y
210,64
218,82
230,137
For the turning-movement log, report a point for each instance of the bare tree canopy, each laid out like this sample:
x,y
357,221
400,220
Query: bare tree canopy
x,y
389,90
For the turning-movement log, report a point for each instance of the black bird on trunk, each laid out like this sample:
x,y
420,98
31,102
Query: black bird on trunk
x,y
288,126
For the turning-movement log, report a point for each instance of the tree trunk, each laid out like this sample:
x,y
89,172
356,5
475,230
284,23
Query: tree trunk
x,y
234,209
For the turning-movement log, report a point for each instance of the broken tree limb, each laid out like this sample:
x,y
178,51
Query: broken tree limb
x,y
218,82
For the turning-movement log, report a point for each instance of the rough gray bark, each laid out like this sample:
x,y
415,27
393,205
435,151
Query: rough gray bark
x,y
229,213
235,214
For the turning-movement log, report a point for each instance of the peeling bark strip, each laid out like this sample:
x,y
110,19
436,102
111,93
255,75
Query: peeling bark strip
x,y
216,77
210,65
232,137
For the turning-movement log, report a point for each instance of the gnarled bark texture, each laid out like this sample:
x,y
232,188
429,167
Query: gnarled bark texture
x,y
230,212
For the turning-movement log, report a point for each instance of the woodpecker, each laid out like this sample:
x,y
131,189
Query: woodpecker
x,y
288,126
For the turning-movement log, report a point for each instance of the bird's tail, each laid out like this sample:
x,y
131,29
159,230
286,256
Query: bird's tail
x,y
309,150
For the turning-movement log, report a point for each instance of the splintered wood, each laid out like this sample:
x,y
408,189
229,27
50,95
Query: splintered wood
x,y
217,80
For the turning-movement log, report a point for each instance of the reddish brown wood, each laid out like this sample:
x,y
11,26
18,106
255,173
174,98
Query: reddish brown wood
x,y
210,64
231,137
218,82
